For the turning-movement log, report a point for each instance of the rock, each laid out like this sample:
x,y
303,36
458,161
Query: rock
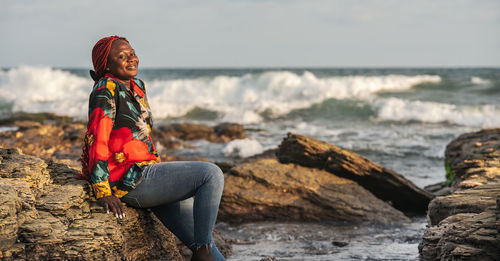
x,y
472,159
229,131
189,131
43,117
46,214
62,142
439,189
465,224
464,236
265,189
383,183
475,200
171,135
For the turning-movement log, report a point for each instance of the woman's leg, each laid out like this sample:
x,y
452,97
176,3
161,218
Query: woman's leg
x,y
169,182
178,218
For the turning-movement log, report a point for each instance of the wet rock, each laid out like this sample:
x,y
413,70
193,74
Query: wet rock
x,y
465,236
189,131
229,131
171,136
62,142
383,183
439,189
472,159
46,214
465,224
43,117
265,189
475,200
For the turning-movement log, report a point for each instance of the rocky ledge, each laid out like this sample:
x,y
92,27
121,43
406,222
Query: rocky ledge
x,y
465,225
46,214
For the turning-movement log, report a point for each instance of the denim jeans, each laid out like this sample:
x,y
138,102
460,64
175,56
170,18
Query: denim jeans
x,y
185,196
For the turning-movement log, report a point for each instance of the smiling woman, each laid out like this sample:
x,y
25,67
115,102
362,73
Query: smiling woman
x,y
122,61
121,163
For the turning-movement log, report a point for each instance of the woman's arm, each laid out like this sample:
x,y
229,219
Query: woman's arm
x,y
102,113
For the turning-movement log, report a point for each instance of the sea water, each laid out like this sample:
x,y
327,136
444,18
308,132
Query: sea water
x,y
401,118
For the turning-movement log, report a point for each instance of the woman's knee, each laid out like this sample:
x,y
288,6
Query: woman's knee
x,y
214,173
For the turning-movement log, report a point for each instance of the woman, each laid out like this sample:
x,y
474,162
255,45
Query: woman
x,y
121,163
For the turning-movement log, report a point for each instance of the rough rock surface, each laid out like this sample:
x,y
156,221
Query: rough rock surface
x,y
264,189
474,157
223,132
383,183
59,141
46,214
465,225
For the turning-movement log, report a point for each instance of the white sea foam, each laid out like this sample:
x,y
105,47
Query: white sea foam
x,y
395,109
242,148
479,81
43,89
239,99
243,99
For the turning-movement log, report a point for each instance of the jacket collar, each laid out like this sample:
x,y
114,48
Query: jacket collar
x,y
133,85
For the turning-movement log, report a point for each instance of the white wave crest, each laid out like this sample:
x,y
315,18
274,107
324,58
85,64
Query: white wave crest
x,y
238,99
479,81
242,148
242,99
394,109
43,89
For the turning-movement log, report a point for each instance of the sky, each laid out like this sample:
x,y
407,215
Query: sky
x,y
256,33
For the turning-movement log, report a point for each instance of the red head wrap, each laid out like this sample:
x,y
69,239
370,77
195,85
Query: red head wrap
x,y
100,54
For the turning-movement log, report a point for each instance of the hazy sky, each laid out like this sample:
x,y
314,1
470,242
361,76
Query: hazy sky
x,y
241,33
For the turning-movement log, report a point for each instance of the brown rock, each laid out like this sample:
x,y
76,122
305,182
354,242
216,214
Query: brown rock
x,y
229,131
475,200
465,225
62,141
265,189
189,131
46,214
464,236
172,136
474,165
383,183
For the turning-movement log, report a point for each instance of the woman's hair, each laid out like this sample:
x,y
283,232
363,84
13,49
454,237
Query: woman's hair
x,y
100,54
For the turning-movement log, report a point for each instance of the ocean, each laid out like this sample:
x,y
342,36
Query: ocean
x,y
401,118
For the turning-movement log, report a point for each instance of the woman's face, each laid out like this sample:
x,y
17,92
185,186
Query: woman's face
x,y
122,61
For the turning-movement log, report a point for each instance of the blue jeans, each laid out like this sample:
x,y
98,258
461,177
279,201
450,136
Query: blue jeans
x,y
168,189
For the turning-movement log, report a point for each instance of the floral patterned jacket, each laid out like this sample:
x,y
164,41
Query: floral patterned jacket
x,y
119,139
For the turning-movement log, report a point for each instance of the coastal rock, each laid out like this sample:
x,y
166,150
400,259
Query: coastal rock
x,y
264,189
170,134
475,201
383,183
472,159
469,232
227,131
465,225
63,141
46,214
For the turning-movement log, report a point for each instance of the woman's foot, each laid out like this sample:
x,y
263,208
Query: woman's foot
x,y
202,253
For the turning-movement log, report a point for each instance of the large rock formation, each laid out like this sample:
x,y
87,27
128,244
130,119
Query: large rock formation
x,y
46,214
383,183
466,224
264,189
473,159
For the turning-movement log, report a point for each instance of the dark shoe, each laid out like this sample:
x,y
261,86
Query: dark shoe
x,y
202,253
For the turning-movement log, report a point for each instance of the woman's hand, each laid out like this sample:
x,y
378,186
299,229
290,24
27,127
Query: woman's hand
x,y
113,203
